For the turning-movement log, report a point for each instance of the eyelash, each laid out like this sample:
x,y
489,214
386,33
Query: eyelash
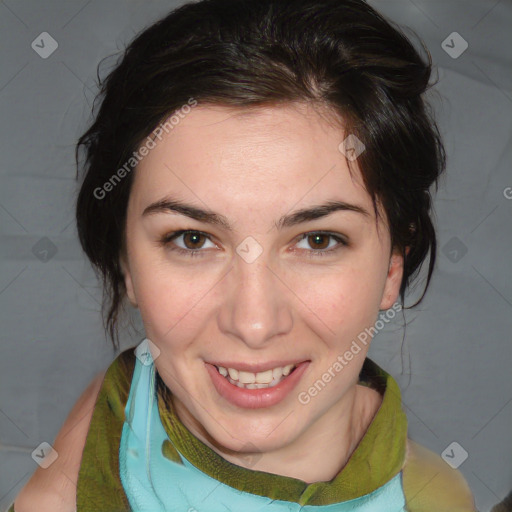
x,y
313,253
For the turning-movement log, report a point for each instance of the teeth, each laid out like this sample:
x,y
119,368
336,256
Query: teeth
x,y
277,373
264,377
245,377
249,380
287,369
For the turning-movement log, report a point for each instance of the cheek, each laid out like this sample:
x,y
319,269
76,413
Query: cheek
x,y
169,301
341,303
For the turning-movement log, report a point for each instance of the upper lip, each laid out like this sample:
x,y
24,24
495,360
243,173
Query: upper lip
x,y
257,367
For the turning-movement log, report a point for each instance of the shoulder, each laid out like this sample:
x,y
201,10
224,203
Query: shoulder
x,y
54,488
431,484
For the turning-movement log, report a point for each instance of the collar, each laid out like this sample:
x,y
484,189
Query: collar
x,y
378,457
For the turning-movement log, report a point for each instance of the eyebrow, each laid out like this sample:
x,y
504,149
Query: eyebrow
x,y
170,205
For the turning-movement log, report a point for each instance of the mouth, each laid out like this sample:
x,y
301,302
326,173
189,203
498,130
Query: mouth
x,y
260,380
256,389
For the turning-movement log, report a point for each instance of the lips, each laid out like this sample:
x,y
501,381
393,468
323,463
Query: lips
x,y
256,380
243,389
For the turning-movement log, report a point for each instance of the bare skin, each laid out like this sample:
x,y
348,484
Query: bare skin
x,y
252,169
54,489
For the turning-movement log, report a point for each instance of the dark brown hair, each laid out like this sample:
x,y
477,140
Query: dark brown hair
x,y
339,53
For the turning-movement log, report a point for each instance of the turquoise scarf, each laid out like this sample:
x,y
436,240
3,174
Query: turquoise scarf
x,y
153,482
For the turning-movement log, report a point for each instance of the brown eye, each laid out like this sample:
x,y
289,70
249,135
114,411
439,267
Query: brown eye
x,y
318,241
187,243
192,240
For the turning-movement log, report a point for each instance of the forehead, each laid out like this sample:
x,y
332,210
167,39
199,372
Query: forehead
x,y
260,159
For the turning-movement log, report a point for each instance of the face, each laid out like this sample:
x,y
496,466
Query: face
x,y
230,278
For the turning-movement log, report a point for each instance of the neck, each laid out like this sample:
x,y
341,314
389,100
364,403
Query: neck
x,y
323,459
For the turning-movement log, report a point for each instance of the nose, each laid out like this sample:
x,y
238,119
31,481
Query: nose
x,y
256,308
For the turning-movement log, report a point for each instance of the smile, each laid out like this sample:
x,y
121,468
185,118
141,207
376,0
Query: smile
x,y
255,389
249,380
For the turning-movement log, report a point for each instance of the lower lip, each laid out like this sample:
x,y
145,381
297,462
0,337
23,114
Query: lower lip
x,y
256,398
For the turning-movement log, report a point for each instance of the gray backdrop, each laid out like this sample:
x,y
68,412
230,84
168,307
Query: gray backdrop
x,y
455,370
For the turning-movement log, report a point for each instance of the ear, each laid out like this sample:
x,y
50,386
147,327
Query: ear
x,y
128,280
393,279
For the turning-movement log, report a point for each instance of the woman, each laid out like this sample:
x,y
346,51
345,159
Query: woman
x,y
257,184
